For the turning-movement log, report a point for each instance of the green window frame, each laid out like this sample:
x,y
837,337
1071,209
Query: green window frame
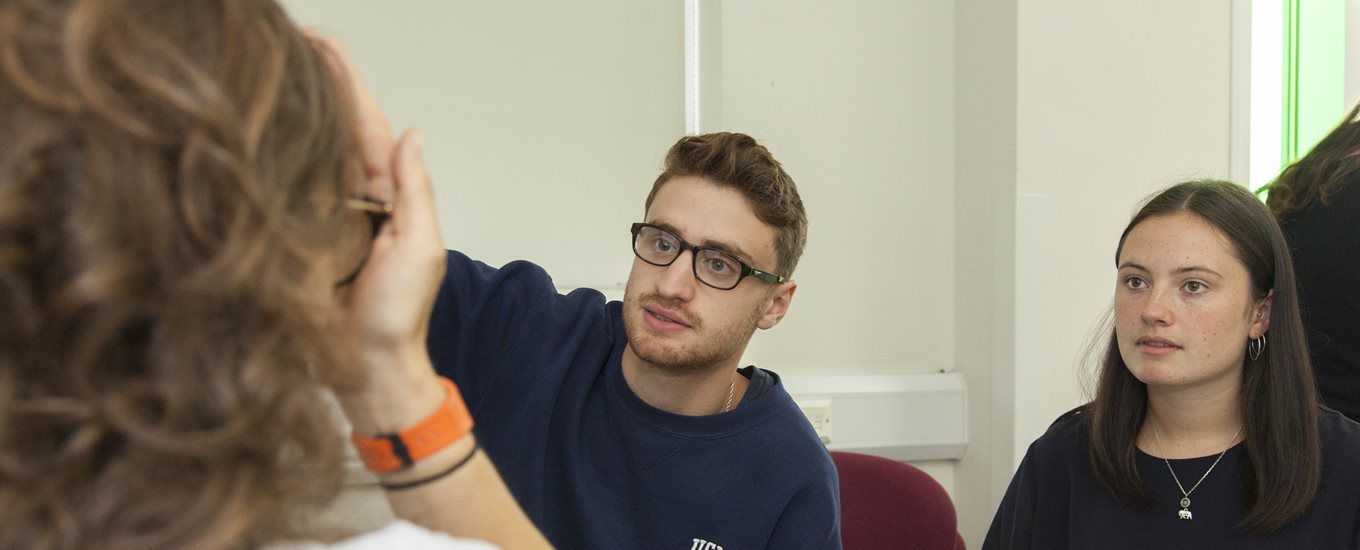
x,y
1314,74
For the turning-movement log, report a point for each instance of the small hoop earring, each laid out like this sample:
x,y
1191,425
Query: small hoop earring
x,y
1255,346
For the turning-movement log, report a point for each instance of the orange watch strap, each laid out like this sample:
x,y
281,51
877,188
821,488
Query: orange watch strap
x,y
390,452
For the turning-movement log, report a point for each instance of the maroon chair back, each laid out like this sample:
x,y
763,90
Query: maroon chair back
x,y
890,505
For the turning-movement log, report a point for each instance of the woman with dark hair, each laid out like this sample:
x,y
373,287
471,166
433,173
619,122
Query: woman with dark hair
x,y
1317,201
1204,431
206,231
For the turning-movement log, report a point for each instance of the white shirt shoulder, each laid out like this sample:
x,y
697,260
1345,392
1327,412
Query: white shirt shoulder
x,y
398,534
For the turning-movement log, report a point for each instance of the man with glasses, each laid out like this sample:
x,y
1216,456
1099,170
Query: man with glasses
x,y
628,424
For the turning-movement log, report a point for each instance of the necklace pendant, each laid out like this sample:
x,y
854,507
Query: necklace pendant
x,y
1185,502
1185,514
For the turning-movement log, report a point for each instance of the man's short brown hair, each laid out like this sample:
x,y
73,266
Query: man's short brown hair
x,y
737,161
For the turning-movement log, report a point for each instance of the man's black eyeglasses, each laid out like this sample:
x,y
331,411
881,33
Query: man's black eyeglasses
x,y
713,267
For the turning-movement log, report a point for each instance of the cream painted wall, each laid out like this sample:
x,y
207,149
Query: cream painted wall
x,y
545,122
985,163
856,99
1116,101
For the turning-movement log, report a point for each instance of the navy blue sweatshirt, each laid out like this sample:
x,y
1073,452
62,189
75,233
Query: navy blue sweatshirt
x,y
592,464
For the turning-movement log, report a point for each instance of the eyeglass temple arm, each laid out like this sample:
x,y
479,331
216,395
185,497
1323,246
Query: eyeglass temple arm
x,y
767,277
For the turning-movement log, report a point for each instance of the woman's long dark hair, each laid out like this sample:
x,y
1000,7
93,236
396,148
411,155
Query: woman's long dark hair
x,y
1319,174
1282,465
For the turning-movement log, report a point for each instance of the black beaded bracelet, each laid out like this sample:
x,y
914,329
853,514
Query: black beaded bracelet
x,y
411,484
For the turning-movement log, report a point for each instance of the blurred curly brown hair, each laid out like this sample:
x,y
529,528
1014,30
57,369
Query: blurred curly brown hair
x,y
170,178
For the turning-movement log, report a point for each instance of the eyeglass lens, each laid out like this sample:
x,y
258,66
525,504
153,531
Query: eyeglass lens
x,y
713,267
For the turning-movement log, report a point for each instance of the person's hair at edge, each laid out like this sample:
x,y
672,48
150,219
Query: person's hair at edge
x,y
170,173
735,160
1282,464
1322,172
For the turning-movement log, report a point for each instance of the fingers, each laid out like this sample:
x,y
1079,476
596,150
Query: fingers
x,y
415,210
395,170
372,132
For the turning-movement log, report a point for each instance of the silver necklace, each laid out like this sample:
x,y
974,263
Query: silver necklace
x,y
1185,495
730,386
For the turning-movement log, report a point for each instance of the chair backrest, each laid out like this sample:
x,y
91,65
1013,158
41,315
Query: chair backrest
x,y
887,504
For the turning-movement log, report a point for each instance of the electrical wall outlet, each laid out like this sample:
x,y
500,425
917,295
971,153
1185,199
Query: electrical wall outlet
x,y
818,413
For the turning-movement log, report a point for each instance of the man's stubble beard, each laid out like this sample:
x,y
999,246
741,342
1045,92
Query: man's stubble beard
x,y
693,357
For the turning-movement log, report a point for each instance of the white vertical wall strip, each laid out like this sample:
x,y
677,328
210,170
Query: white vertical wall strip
x,y
703,66
1352,53
693,57
1239,95
1267,96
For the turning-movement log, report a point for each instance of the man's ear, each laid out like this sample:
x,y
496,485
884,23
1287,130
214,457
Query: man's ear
x,y
778,305
1260,322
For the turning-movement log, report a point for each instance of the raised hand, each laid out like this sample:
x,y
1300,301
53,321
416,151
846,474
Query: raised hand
x,y
388,305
